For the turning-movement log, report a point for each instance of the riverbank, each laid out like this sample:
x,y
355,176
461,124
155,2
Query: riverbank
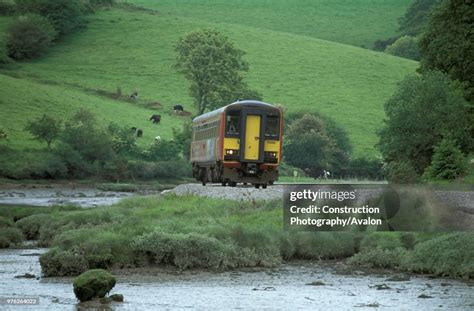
x,y
192,232
299,284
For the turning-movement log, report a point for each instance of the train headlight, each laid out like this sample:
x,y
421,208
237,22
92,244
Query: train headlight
x,y
270,154
233,152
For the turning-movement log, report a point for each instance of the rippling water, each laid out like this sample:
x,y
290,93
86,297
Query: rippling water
x,y
285,287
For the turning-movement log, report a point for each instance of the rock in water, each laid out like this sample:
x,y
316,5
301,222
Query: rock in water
x,y
117,297
93,283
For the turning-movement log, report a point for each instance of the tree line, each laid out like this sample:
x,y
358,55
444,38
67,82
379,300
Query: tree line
x,y
80,147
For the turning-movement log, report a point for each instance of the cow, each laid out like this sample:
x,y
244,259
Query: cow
x,y
136,131
134,95
158,138
177,108
156,118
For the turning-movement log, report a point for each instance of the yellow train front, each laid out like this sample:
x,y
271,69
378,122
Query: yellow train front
x,y
238,143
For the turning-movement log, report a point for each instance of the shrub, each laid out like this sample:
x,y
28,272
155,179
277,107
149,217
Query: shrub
x,y
4,60
381,258
6,8
29,36
365,168
46,129
64,15
4,243
30,226
323,245
56,262
12,235
183,250
5,222
401,172
446,255
384,241
32,165
163,151
448,161
93,283
406,47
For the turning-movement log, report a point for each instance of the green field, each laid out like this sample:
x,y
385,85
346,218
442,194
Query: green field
x,y
358,23
133,50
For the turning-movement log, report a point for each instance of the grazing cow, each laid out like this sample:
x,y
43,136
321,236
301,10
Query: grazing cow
x,y
139,132
158,138
326,174
156,118
134,95
177,108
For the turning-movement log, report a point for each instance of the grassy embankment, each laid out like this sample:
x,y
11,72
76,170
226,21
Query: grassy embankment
x,y
215,234
357,23
133,50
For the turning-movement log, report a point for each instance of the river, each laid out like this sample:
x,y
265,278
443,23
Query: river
x,y
301,285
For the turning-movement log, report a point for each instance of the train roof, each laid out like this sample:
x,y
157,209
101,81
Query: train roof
x,y
248,103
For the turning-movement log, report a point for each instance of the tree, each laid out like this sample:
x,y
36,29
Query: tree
x,y
413,22
448,161
213,66
84,137
183,139
123,139
424,110
405,46
307,145
448,43
45,129
29,36
65,15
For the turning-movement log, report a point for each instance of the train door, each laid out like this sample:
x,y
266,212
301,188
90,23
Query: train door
x,y
252,137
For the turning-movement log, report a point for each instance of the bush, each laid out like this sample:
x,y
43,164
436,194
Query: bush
x,y
381,258
92,284
323,245
33,165
384,241
6,8
406,47
4,60
30,226
29,36
401,172
11,235
365,168
446,255
56,262
183,250
5,222
448,161
165,169
163,151
64,15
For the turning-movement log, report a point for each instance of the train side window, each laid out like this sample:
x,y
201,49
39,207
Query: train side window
x,y
273,127
233,123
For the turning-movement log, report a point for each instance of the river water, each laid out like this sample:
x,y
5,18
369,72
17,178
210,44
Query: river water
x,y
285,287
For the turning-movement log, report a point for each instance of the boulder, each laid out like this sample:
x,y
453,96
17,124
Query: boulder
x,y
93,283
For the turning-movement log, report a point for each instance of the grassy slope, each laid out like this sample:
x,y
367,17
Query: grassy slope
x,y
21,100
134,50
357,23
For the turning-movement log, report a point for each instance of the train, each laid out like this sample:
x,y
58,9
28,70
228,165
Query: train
x,y
238,143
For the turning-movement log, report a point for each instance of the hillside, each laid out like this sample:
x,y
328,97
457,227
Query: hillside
x,y
357,22
133,50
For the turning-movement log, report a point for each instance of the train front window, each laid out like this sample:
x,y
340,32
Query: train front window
x,y
233,123
272,129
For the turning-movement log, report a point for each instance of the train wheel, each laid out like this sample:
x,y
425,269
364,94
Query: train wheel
x,y
264,186
257,186
224,184
232,184
203,176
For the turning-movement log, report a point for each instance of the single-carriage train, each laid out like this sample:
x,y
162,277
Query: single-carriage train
x,y
238,143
